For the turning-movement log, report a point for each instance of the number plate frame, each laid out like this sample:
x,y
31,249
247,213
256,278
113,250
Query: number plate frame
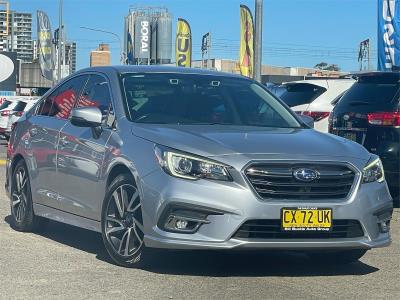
x,y
321,227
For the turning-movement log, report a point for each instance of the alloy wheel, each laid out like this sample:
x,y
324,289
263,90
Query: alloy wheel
x,y
124,222
19,195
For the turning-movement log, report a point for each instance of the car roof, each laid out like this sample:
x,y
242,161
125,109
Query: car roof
x,y
322,82
159,69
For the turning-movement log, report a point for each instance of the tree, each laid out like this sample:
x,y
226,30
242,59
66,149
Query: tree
x,y
321,66
327,67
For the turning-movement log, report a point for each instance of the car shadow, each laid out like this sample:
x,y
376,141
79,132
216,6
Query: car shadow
x,y
208,263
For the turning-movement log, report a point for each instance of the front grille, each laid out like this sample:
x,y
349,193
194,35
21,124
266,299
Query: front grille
x,y
276,181
271,229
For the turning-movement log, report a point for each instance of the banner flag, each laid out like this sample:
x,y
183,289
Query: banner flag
x,y
183,44
388,35
45,47
246,55
129,51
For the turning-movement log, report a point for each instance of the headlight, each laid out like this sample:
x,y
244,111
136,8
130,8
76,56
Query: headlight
x,y
373,171
190,167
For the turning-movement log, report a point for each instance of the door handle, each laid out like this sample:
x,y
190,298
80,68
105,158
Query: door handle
x,y
33,131
63,141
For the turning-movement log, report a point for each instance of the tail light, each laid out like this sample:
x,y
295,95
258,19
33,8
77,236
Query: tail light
x,y
9,149
384,118
5,113
316,115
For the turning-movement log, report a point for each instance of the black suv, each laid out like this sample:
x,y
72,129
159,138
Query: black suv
x,y
369,114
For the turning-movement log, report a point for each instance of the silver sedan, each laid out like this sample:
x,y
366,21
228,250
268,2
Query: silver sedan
x,y
161,157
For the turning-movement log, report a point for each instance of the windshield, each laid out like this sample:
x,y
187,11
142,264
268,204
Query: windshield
x,y
301,93
367,97
202,99
5,104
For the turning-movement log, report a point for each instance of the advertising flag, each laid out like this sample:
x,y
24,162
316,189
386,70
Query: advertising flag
x,y
388,35
45,47
246,55
183,44
129,53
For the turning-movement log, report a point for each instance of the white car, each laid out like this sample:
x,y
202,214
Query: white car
x,y
13,112
315,98
5,108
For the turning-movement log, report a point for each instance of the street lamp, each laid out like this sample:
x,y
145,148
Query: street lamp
x,y
122,54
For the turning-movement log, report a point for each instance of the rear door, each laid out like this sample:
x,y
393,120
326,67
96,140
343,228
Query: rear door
x,y
42,139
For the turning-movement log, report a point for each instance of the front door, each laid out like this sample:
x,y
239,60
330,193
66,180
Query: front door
x,y
81,154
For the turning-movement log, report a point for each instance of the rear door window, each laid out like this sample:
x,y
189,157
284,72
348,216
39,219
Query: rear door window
x,y
61,101
20,106
5,104
301,93
378,93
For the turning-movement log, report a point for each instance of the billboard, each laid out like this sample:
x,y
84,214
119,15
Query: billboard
x,y
8,71
246,54
183,44
45,47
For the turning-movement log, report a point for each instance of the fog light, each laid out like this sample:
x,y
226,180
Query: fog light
x,y
384,226
181,224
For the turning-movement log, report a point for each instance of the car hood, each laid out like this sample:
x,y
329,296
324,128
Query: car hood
x,y
217,140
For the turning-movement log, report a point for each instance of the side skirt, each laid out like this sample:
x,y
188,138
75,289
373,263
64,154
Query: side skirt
x,y
67,218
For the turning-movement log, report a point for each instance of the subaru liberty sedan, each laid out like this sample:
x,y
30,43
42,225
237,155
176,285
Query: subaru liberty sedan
x,y
163,157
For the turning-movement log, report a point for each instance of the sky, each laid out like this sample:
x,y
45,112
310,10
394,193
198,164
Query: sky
x,y
298,33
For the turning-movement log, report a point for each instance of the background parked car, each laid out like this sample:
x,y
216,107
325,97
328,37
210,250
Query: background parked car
x,y
19,109
315,98
369,114
5,108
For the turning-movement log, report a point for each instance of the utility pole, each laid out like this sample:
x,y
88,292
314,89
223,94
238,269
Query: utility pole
x,y
60,37
258,40
364,55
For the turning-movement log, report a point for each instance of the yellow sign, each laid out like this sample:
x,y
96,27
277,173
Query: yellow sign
x,y
306,218
183,44
246,55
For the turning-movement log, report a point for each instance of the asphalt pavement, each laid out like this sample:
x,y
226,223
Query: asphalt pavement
x,y
65,262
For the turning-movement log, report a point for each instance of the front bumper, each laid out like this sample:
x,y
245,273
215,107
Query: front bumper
x,y
237,203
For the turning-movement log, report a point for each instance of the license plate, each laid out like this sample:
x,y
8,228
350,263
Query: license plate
x,y
350,136
306,219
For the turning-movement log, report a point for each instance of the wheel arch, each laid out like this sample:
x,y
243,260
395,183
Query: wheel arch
x,y
16,159
116,170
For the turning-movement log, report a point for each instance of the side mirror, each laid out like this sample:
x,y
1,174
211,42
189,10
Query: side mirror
x,y
307,120
86,117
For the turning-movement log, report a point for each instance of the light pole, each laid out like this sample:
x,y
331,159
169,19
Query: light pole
x,y
122,53
258,41
60,37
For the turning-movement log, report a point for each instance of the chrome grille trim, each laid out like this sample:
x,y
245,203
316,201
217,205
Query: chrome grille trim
x,y
273,180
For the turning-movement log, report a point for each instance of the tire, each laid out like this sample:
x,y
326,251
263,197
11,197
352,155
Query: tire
x,y
122,223
22,214
338,257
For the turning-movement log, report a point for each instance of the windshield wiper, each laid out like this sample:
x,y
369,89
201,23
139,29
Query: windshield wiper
x,y
355,103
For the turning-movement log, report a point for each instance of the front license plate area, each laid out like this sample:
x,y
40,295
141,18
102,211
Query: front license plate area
x,y
306,219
